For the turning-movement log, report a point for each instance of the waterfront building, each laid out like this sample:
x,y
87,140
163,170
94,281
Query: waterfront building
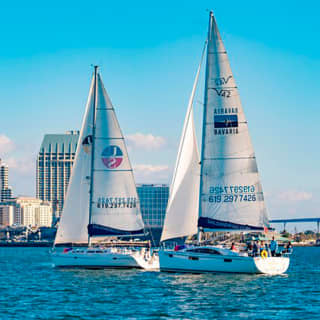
x,y
26,211
6,215
153,203
5,190
54,165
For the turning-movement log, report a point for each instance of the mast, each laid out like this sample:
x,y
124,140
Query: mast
x,y
93,147
204,114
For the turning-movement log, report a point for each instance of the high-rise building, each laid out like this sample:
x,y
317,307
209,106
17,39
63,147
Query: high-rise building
x,y
26,211
153,202
5,190
54,164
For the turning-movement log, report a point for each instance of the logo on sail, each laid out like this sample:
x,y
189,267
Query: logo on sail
x,y
225,93
87,143
223,80
112,157
226,124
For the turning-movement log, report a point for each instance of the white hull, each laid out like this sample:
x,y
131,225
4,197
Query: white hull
x,y
147,262
183,261
84,258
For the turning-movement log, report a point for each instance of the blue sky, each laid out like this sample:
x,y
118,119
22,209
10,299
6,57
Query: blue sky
x,y
148,52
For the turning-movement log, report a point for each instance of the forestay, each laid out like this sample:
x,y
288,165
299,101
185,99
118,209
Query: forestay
x,y
231,193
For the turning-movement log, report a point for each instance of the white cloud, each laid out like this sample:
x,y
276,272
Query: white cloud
x,y
293,195
147,173
145,141
6,144
22,166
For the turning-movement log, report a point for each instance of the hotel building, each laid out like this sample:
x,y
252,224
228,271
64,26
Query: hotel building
x,y
26,211
54,164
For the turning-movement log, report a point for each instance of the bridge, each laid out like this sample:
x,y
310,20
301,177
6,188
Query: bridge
x,y
285,221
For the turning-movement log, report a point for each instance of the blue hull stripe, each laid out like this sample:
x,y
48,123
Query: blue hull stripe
x,y
208,223
99,230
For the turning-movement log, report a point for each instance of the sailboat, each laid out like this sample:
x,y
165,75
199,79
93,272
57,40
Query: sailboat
x,y
222,192
102,199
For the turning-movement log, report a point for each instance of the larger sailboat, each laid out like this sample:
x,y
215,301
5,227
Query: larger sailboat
x,y
102,198
226,196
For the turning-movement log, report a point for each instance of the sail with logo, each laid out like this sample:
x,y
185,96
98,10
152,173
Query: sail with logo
x,y
231,195
102,197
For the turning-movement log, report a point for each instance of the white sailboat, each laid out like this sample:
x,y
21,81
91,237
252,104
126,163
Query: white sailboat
x,y
102,198
227,195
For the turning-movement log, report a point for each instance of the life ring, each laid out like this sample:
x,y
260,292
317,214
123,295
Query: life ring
x,y
264,253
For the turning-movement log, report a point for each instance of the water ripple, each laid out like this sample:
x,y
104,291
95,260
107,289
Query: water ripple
x,y
32,289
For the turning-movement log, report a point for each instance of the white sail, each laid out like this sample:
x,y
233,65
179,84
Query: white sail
x,y
230,189
115,208
183,204
115,203
75,215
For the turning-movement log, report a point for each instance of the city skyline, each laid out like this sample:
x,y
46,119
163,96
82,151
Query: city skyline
x,y
148,73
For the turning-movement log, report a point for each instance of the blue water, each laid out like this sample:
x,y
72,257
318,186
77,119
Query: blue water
x,y
30,288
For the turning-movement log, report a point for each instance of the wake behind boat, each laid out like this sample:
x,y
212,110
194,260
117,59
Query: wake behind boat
x,y
102,199
226,196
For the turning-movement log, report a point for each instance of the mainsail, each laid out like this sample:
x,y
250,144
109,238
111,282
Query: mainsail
x,y
102,198
115,203
231,196
183,204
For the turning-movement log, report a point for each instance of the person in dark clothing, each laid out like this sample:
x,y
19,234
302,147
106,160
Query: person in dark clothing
x,y
273,247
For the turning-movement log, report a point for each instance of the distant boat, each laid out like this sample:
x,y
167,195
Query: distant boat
x,y
222,192
102,199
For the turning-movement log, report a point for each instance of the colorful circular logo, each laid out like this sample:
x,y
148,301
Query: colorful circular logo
x,y
112,157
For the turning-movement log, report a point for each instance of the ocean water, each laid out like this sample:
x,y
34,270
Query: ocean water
x,y
30,288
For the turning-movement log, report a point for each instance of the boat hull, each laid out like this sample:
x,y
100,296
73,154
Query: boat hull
x,y
93,260
175,261
150,263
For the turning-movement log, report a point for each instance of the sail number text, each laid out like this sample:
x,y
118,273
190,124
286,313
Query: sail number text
x,y
232,189
232,194
117,202
233,198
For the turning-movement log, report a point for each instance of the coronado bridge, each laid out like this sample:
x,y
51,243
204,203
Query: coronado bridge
x,y
285,221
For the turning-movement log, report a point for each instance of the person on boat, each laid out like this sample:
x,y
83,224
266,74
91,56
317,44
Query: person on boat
x,y
233,247
273,247
288,248
266,246
249,248
256,248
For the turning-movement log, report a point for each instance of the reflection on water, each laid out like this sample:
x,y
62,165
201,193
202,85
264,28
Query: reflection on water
x,y
32,289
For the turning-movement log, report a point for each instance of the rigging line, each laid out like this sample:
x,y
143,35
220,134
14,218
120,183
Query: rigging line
x,y
108,138
189,111
211,123
113,170
93,146
207,74
230,158
221,87
218,52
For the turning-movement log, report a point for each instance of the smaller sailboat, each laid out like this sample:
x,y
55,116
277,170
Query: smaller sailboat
x,y
102,199
222,193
